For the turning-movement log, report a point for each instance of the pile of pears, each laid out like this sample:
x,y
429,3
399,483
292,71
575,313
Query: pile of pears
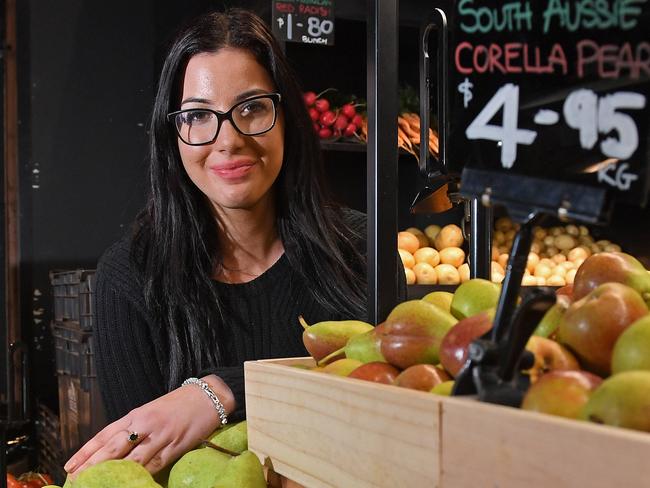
x,y
223,461
415,347
591,349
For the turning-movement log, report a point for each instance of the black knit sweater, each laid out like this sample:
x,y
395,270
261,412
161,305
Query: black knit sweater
x,y
130,348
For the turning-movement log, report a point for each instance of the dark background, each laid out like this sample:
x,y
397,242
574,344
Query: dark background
x,y
87,77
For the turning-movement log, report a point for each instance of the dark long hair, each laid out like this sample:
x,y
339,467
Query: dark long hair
x,y
177,234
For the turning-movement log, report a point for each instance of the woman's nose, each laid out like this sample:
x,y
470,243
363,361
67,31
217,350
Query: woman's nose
x,y
228,137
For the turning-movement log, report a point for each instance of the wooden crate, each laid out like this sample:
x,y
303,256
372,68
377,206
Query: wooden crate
x,y
328,431
491,445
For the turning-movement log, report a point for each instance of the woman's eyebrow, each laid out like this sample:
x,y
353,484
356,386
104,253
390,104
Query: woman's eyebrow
x,y
196,100
250,93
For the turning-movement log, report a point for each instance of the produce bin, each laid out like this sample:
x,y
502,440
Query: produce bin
x,y
323,430
327,431
73,296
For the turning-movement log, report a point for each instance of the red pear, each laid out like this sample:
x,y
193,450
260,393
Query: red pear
x,y
421,377
455,344
377,371
413,332
606,267
561,393
591,325
549,356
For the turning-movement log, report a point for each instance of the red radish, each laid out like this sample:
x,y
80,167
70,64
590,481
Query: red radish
x,y
314,114
357,120
348,110
309,97
316,127
325,133
350,130
322,105
327,118
341,122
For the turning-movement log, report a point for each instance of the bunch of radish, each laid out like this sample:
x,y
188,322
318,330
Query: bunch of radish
x,y
330,122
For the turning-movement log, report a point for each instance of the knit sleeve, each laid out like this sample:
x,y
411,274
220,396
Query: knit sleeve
x,y
233,376
125,360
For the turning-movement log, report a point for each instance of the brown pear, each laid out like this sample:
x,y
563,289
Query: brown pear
x,y
323,338
421,377
413,332
606,267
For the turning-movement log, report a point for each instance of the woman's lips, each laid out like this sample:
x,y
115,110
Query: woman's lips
x,y
232,171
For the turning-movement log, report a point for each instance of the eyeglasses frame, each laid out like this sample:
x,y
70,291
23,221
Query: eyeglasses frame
x,y
276,98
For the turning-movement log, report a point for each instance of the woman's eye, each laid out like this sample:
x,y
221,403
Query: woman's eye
x,y
251,108
197,117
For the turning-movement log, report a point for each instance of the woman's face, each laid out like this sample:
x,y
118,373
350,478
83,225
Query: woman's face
x,y
235,171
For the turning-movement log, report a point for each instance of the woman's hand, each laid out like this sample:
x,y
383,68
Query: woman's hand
x,y
166,428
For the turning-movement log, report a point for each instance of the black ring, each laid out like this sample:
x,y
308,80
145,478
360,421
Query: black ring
x,y
133,437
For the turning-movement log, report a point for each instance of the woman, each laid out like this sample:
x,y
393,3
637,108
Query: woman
x,y
236,241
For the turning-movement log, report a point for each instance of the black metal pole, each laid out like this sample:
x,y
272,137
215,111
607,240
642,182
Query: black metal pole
x,y
480,240
382,176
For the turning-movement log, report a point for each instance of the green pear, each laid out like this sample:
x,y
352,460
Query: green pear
x,y
199,468
326,337
474,296
243,471
550,321
622,400
440,299
342,367
364,347
115,473
632,348
413,332
233,437
443,388
607,267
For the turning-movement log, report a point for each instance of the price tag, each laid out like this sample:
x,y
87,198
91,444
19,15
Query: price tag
x,y
306,21
558,89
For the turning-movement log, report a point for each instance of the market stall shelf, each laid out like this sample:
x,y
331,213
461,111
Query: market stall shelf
x,y
322,430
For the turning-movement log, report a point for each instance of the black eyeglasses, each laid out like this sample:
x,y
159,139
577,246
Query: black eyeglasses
x,y
250,117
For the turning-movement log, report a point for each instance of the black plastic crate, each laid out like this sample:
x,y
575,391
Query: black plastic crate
x,y
74,350
73,292
49,450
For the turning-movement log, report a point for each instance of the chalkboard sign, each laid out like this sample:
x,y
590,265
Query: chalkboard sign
x,y
306,21
557,89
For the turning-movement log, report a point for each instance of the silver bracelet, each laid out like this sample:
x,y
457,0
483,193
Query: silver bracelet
x,y
218,406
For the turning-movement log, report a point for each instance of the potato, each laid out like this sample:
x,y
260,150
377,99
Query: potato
x,y
407,241
583,230
577,253
447,274
539,233
552,251
425,274
431,231
559,258
541,281
564,241
463,271
555,281
452,255
558,271
503,260
427,255
449,236
549,241
495,252
496,268
543,270
568,265
533,260
572,230
529,280
499,237
570,276
536,247
548,262
422,238
612,248
497,277
410,276
407,258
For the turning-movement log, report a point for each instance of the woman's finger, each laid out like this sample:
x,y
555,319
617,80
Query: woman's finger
x,y
116,448
147,450
95,444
